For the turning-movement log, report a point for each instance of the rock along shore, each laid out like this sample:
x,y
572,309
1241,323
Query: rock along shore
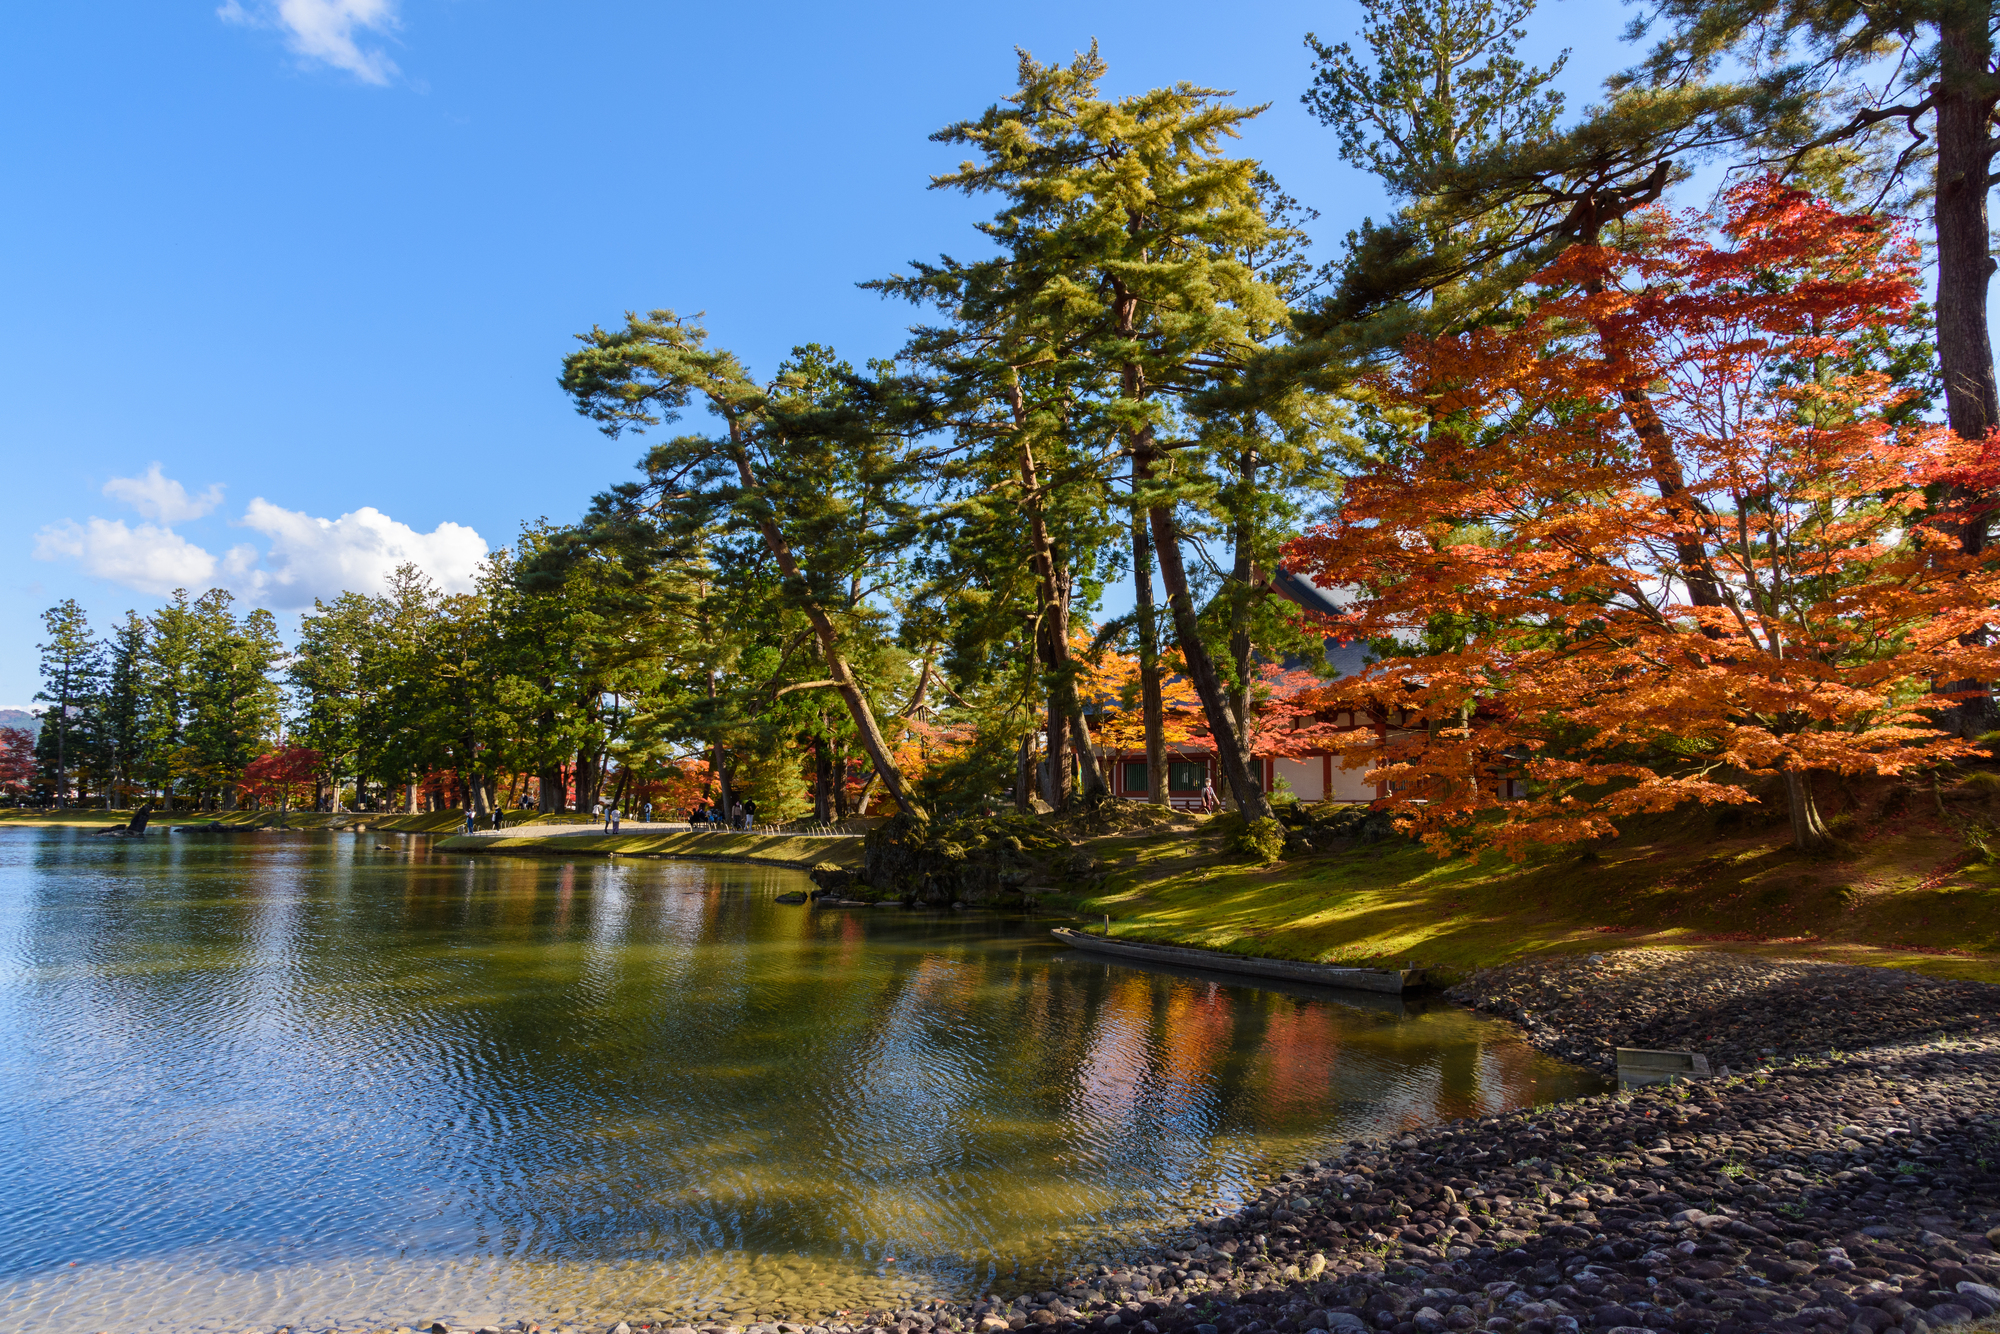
x,y
1849,1193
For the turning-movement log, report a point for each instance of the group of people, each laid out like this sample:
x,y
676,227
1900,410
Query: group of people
x,y
472,820
740,815
610,815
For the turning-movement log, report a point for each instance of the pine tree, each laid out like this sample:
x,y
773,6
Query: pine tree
x,y
72,662
171,648
1122,238
326,675
818,482
1440,85
122,706
1440,81
235,702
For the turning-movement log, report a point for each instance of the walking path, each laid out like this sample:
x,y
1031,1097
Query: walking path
x,y
594,829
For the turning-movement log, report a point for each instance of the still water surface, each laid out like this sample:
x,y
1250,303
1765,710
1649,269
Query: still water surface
x,y
334,1079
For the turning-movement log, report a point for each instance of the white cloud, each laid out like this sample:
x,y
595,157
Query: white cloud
x,y
159,497
319,558
308,557
150,559
325,30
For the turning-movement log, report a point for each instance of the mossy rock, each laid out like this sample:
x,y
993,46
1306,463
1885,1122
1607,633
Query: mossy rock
x,y
834,881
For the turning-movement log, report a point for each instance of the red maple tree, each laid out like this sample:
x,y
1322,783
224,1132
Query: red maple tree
x,y
17,761
1685,537
288,775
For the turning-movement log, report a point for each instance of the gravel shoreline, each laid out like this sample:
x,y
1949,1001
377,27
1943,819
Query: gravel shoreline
x,y
1844,1192
1741,1010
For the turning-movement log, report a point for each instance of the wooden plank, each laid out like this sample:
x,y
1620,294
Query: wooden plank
x,y
1638,1067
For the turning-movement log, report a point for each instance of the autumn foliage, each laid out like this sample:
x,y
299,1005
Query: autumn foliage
x,y
17,761
1683,539
287,774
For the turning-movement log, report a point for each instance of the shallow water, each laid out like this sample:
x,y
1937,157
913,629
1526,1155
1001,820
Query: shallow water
x,y
337,1079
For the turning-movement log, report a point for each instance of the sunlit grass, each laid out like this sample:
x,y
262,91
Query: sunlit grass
x,y
1901,898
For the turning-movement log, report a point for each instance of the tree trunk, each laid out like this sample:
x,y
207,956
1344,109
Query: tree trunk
x,y
62,734
1250,796
1095,788
1965,268
1965,263
822,781
1809,833
410,798
1024,775
840,802
1086,758
1690,551
1055,762
549,789
1053,594
1152,710
1241,581
872,739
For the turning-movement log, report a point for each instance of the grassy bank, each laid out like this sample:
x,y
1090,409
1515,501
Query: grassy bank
x,y
586,842
1904,890
781,849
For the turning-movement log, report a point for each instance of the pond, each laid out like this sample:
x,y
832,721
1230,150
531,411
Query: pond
x,y
325,1079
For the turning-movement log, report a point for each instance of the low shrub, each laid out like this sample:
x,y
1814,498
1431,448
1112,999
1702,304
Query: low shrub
x,y
1261,840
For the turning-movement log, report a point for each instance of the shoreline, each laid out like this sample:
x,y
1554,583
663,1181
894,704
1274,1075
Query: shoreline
x,y
1834,1193
795,851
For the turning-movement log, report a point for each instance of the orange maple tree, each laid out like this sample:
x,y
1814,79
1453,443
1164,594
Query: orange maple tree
x,y
1286,718
1111,681
1687,538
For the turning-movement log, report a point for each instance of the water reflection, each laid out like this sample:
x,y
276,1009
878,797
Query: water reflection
x,y
271,1078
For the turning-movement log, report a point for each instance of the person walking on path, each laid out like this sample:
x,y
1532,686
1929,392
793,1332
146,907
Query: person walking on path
x,y
497,821
613,815
1209,801
648,813
750,813
471,821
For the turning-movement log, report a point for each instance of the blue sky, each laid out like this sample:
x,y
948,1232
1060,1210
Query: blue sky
x,y
318,260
